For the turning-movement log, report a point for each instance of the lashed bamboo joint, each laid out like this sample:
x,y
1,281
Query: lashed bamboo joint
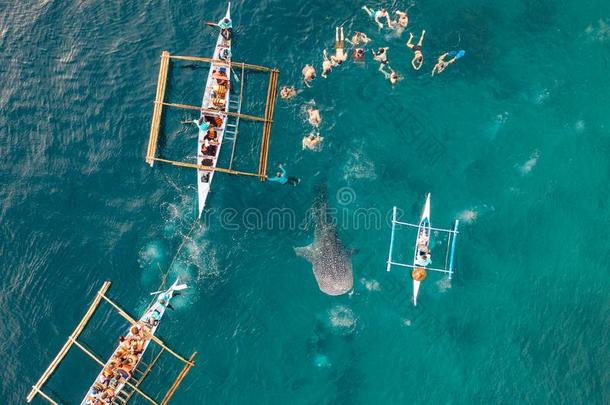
x,y
132,383
266,120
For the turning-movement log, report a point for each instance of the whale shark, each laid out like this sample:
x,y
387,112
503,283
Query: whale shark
x,y
331,262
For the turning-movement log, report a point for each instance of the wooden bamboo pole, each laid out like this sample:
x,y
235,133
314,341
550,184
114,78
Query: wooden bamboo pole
x,y
206,168
64,350
134,322
45,396
269,109
101,363
179,379
206,110
223,63
158,108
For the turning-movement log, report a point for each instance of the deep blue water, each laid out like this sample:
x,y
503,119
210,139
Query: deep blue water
x,y
513,140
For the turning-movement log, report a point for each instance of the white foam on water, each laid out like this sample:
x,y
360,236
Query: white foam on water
x,y
321,361
371,285
528,166
542,96
152,255
358,166
443,284
580,126
497,123
342,319
468,216
406,322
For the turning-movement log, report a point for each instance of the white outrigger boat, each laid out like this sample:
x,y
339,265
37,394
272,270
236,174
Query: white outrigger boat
x,y
118,369
215,105
422,256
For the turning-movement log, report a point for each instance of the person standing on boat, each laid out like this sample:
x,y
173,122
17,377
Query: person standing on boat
x,y
418,57
280,177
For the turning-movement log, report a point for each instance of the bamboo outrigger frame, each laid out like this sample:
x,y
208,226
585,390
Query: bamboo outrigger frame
x,y
266,120
131,386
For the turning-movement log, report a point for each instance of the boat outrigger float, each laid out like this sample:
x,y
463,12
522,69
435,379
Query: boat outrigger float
x,y
220,112
124,372
422,255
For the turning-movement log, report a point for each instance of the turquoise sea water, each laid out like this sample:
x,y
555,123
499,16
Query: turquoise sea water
x,y
514,139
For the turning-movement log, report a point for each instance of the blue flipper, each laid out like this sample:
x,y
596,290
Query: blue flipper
x,y
460,54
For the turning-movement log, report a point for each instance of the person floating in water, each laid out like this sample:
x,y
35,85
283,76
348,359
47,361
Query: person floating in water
x,y
402,20
288,92
418,56
340,56
359,38
381,56
313,142
309,73
280,177
392,76
358,55
314,116
441,63
378,15
326,65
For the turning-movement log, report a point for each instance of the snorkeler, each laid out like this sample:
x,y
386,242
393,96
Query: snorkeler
x,y
326,65
340,56
418,57
392,76
402,20
358,55
288,92
313,142
441,63
378,15
314,116
381,56
309,73
280,177
359,38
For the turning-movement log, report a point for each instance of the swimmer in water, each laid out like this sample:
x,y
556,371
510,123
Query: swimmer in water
x,y
381,56
441,64
314,116
378,15
359,38
402,20
326,65
340,56
358,55
313,142
309,73
418,56
392,76
288,92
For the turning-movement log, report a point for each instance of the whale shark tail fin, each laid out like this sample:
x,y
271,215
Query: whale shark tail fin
x,y
306,252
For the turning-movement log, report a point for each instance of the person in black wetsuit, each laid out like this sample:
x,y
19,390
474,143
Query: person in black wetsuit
x,y
418,57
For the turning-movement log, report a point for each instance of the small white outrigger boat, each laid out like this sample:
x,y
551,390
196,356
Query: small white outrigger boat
x,y
215,105
124,360
422,256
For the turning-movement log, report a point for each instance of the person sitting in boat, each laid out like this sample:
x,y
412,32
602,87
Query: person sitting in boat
x,y
221,76
202,124
225,54
378,15
424,258
153,318
418,56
